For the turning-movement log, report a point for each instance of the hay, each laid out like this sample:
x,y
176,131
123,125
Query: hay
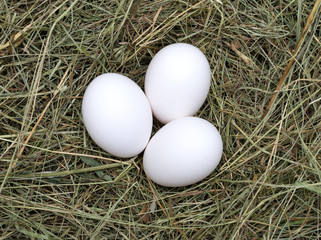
x,y
57,184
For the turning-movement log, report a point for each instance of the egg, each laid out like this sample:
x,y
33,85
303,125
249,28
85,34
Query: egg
x,y
183,152
117,115
177,81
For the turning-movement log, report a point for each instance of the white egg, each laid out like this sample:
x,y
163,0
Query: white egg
x,y
183,152
177,81
117,115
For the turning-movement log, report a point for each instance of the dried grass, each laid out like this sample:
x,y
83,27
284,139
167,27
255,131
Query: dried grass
x,y
57,184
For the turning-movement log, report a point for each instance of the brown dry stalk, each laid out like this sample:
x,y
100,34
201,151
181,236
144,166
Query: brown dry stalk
x,y
17,36
34,128
313,13
43,112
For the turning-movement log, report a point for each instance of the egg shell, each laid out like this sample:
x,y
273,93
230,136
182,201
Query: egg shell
x,y
183,152
117,115
177,81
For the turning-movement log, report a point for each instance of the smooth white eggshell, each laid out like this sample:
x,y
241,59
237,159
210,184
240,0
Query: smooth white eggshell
x,y
117,115
183,152
177,81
